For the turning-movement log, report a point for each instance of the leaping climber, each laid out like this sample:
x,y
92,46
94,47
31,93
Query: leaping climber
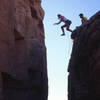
x,y
66,21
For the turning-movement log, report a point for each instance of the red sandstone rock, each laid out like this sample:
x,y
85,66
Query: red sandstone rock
x,y
23,68
84,65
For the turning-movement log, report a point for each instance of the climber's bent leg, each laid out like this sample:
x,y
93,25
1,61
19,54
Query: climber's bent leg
x,y
62,27
68,28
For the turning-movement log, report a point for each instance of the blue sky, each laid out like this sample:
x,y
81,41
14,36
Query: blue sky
x,y
59,48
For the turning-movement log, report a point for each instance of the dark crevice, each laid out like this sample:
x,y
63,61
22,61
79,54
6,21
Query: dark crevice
x,y
17,35
40,24
10,82
34,13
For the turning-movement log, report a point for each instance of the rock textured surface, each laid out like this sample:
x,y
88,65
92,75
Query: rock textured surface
x,y
84,65
23,66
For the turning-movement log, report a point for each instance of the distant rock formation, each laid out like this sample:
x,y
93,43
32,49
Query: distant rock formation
x,y
23,65
84,65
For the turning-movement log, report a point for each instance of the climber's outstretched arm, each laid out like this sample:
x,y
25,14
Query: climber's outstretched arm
x,y
58,23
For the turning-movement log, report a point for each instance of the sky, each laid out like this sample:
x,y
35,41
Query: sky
x,y
59,47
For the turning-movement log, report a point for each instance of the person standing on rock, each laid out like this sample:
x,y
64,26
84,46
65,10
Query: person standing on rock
x,y
83,18
66,21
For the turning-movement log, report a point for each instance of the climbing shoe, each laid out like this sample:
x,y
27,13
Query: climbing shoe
x,y
62,34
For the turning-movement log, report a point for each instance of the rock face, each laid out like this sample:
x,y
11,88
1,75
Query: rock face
x,y
23,66
84,65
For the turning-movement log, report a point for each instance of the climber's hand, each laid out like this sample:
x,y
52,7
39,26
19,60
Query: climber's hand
x,y
55,24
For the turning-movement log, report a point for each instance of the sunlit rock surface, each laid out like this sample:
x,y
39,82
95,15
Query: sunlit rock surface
x,y
23,65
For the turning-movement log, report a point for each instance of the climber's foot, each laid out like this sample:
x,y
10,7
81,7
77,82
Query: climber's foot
x,y
62,34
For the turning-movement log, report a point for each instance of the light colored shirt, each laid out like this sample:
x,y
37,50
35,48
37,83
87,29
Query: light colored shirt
x,y
63,19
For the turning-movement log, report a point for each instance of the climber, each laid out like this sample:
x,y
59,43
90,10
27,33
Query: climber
x,y
75,33
66,21
83,19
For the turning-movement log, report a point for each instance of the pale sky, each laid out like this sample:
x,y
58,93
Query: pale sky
x,y
59,47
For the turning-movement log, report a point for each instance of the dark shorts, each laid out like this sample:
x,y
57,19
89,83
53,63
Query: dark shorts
x,y
68,22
